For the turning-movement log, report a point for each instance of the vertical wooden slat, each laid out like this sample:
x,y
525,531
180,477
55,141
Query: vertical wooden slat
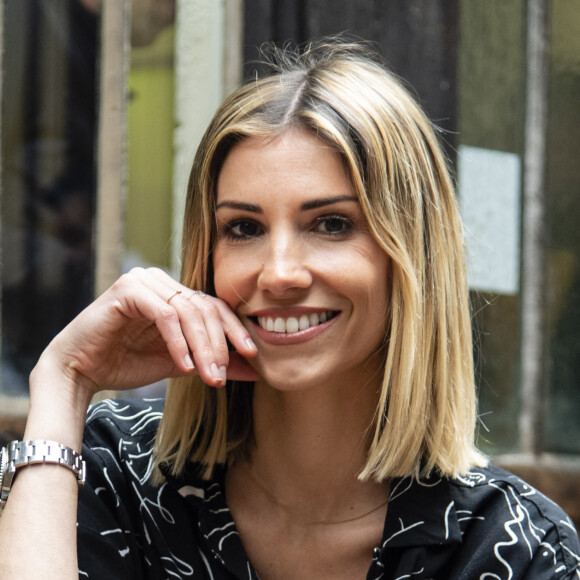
x,y
112,158
533,217
201,75
233,39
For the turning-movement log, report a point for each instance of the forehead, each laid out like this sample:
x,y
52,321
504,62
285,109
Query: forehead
x,y
295,162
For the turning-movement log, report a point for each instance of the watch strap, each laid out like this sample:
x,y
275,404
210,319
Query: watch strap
x,y
19,454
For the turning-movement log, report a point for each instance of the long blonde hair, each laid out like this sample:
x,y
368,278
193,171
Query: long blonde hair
x,y
338,91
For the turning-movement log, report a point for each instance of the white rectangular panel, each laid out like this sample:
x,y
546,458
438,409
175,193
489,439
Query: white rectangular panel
x,y
489,198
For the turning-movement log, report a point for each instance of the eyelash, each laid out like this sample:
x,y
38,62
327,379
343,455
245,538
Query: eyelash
x,y
346,223
228,230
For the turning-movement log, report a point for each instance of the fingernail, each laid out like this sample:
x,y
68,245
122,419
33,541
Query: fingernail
x,y
188,362
251,344
219,374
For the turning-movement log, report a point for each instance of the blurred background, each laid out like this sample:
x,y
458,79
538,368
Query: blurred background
x,y
103,103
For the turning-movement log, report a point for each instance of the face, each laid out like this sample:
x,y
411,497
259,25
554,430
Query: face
x,y
294,259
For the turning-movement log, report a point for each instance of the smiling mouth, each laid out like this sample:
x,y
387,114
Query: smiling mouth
x,y
294,323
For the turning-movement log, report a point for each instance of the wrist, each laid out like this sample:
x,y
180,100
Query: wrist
x,y
57,407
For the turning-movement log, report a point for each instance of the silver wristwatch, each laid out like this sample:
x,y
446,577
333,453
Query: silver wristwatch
x,y
21,453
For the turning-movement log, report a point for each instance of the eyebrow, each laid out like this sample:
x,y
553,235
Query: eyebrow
x,y
316,203
307,205
251,207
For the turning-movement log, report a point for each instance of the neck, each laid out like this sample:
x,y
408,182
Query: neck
x,y
310,447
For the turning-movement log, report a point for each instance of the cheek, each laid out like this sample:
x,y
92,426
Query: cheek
x,y
232,277
367,264
375,282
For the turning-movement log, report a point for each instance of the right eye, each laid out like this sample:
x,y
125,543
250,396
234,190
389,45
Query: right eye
x,y
242,229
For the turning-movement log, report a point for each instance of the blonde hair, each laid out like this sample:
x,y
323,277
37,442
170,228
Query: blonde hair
x,y
341,93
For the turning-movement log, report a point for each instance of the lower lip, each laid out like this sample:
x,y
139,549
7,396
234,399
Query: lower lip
x,y
288,338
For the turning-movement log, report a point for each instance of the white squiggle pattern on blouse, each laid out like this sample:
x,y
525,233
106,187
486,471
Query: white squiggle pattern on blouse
x,y
410,575
517,524
403,530
190,490
398,489
151,511
447,512
468,517
206,564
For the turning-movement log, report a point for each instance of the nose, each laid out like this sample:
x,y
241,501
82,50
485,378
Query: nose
x,y
284,267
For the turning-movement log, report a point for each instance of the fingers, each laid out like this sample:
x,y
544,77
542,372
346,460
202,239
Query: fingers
x,y
196,327
137,300
201,325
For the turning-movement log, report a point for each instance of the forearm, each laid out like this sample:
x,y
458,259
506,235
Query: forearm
x,y
38,524
132,335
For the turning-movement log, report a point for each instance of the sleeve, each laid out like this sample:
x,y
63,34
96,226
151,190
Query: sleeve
x,y
512,531
108,543
129,528
557,556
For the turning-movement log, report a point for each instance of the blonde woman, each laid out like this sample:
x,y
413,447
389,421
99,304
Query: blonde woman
x,y
321,419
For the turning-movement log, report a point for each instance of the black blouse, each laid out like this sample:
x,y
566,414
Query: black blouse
x,y
489,525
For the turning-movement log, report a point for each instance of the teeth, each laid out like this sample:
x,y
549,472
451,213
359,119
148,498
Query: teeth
x,y
293,324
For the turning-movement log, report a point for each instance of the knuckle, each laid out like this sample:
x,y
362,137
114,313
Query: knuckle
x,y
212,308
220,303
222,354
203,350
167,313
175,339
136,272
124,281
191,308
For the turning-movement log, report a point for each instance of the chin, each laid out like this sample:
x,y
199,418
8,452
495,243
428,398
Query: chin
x,y
286,378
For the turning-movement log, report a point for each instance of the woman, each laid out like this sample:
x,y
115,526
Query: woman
x,y
321,423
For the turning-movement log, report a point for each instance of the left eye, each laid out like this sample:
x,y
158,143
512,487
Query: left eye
x,y
333,225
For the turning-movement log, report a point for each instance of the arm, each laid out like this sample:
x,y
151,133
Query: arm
x,y
130,336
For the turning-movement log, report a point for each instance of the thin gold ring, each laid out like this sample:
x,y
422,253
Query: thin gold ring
x,y
173,296
198,292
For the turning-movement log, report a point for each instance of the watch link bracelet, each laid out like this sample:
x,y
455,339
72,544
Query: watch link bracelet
x,y
22,453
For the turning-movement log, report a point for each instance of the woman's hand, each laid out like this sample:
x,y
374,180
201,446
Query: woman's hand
x,y
144,328
147,327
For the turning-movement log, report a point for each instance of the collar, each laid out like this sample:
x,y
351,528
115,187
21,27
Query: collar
x,y
217,533
421,512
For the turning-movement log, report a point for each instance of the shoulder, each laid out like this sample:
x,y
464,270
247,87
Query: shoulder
x,y
486,524
122,424
494,488
118,440
128,527
498,508
130,417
